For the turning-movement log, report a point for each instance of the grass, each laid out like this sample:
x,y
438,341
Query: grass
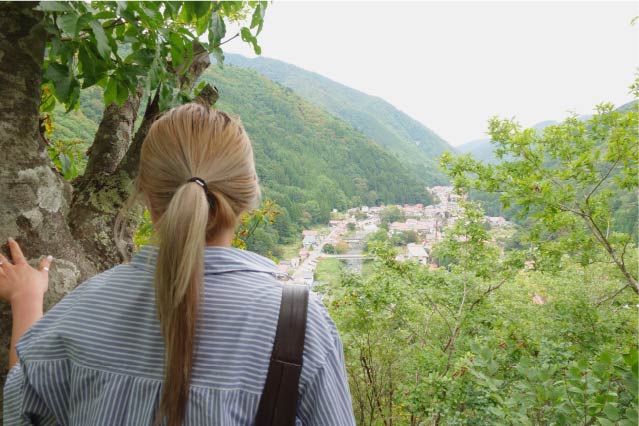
x,y
328,271
290,251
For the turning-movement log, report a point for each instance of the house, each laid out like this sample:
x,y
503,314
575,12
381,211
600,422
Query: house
x,y
496,221
397,227
370,227
309,241
417,253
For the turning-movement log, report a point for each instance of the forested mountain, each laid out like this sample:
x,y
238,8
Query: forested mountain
x,y
309,162
414,144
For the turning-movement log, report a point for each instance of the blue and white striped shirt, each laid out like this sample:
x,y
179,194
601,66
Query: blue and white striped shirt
x,y
96,358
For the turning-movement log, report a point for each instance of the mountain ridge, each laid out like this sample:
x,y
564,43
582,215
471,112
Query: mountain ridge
x,y
410,140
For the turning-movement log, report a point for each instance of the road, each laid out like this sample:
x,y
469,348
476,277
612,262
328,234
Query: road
x,y
314,254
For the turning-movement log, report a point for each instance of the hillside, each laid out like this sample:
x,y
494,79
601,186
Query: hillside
x,y
413,143
305,157
308,161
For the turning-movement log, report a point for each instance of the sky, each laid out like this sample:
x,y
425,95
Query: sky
x,y
453,65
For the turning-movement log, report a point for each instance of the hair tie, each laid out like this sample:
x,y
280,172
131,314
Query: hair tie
x,y
201,182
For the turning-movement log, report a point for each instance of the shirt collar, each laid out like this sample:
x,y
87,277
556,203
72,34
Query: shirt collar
x,y
217,260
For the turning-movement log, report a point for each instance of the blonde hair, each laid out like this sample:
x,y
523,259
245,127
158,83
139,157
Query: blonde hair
x,y
190,140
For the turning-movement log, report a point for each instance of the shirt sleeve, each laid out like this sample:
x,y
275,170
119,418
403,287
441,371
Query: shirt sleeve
x,y
34,387
22,405
327,399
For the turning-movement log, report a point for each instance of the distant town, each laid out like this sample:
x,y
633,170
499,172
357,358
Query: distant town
x,y
427,223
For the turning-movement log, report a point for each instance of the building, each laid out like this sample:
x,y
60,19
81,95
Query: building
x,y
416,252
309,241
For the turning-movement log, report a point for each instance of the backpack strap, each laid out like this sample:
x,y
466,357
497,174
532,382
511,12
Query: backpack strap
x,y
278,404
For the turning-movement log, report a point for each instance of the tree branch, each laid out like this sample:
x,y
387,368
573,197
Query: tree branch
x,y
615,294
602,180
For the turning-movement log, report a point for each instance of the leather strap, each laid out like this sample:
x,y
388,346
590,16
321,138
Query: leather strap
x,y
278,404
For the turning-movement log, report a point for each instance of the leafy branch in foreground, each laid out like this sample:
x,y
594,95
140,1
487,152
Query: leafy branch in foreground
x,y
120,45
566,179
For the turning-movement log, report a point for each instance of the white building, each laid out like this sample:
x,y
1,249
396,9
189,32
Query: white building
x,y
417,253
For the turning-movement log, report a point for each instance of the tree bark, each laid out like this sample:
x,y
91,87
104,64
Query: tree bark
x,y
35,198
101,191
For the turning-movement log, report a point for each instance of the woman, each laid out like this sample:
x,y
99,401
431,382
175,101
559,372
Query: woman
x,y
183,333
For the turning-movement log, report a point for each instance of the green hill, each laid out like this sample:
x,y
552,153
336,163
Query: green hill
x,y
413,143
308,160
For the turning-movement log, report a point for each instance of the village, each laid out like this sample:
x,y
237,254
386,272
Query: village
x,y
345,236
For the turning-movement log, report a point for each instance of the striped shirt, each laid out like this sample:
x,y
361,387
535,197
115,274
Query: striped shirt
x,y
96,358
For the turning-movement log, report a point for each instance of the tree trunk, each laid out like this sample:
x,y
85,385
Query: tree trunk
x,y
101,191
35,198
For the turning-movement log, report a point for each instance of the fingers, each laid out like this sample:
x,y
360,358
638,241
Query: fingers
x,y
45,264
4,262
16,252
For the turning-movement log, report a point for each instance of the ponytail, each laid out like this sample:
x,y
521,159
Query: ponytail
x,y
179,273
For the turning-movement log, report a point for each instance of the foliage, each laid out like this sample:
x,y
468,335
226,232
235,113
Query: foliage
x,y
341,247
329,249
120,46
485,340
68,157
392,214
566,179
251,235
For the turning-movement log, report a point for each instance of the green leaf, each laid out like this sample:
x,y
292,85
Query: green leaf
x,y
247,36
611,412
177,49
219,56
188,11
65,163
202,24
257,20
201,8
68,23
53,6
59,75
100,36
74,96
166,96
217,30
122,94
111,91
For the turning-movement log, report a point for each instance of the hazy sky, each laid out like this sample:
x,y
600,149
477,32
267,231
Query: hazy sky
x,y
452,65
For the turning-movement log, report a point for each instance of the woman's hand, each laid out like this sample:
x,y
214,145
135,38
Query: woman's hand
x,y
23,287
19,281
